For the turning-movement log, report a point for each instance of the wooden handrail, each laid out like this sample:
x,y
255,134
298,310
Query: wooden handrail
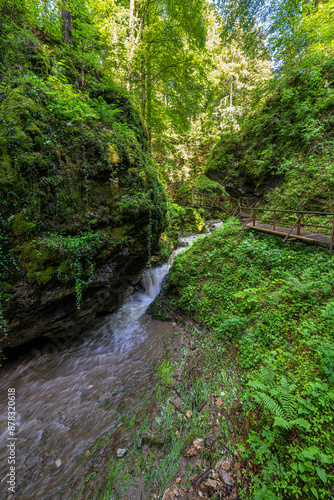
x,y
289,211
244,208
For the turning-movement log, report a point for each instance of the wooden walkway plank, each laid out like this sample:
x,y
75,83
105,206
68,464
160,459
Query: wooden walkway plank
x,y
283,231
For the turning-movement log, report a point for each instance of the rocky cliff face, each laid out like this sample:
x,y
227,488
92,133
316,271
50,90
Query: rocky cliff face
x,y
81,208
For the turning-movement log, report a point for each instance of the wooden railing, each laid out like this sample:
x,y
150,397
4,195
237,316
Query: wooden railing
x,y
273,221
323,233
195,198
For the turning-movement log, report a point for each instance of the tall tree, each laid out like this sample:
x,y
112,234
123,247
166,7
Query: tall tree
x,y
67,23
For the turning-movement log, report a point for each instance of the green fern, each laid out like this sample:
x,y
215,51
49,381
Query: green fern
x,y
268,375
287,399
272,405
278,399
304,285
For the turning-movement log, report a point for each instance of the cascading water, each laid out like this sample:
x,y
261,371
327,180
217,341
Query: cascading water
x,y
61,390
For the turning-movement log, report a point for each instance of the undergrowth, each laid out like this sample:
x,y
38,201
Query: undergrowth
x,y
273,306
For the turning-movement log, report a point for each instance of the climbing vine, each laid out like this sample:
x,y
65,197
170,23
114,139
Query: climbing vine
x,y
77,254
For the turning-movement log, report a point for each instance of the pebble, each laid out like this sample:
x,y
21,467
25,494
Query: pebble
x,y
121,452
58,463
168,495
225,477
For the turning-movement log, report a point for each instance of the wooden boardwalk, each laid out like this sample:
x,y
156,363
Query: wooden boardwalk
x,y
305,227
311,238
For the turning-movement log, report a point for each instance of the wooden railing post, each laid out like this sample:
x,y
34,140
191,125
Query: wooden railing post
x,y
298,225
253,217
274,220
193,196
332,237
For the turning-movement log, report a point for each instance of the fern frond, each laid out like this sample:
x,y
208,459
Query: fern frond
x,y
268,375
300,422
271,405
287,400
283,423
256,384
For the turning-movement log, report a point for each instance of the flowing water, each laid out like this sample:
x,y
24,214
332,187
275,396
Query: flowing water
x,y
67,395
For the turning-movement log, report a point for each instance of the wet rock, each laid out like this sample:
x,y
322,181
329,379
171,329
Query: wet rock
x,y
226,478
121,452
224,464
168,495
211,483
192,345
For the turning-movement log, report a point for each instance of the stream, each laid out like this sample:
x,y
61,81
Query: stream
x,y
68,395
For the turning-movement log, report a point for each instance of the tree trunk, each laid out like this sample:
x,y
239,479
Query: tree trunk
x,y
134,40
67,24
231,84
149,101
143,88
148,74
244,103
132,43
115,43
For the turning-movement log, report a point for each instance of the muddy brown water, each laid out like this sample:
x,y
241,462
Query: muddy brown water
x,y
67,397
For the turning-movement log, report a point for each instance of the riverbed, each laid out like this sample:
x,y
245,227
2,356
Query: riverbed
x,y
70,394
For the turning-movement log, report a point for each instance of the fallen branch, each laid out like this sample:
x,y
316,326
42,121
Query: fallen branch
x,y
178,409
171,312
201,406
202,477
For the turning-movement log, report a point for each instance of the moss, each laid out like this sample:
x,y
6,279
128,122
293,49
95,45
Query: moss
x,y
113,155
43,277
5,287
36,262
21,226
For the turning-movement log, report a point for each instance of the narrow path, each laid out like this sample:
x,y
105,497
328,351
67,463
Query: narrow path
x,y
313,238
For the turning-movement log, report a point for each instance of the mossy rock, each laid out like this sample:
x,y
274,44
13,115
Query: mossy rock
x,y
153,438
65,179
21,226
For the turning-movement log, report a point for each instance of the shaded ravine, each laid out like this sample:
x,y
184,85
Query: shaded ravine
x,y
67,397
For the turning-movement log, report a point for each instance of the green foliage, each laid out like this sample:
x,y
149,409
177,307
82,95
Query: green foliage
x,y
289,142
77,253
278,399
181,220
273,305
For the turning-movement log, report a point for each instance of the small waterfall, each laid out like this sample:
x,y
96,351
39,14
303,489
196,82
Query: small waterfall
x,y
153,278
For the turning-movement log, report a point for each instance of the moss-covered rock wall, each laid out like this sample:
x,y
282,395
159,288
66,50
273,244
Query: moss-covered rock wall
x,y
81,208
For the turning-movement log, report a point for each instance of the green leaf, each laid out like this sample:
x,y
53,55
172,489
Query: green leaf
x,y
308,454
301,467
301,423
322,474
314,491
